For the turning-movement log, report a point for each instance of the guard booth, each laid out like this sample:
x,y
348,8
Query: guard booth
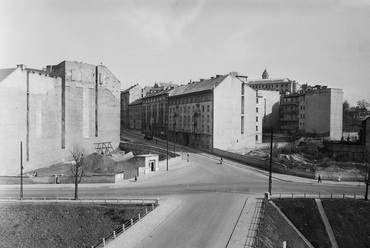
x,y
57,178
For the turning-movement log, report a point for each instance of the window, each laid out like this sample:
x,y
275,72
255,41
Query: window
x,y
256,118
256,137
242,105
207,108
257,100
256,110
242,125
203,108
256,128
208,120
208,129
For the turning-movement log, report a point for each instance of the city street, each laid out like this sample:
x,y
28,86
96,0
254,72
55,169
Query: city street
x,y
212,198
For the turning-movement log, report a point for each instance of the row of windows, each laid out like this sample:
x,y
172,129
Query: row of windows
x,y
191,99
187,109
189,118
268,86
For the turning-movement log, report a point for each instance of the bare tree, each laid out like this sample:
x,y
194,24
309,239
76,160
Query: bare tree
x,y
363,174
78,168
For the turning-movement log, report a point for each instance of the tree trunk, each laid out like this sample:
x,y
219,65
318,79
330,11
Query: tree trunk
x,y
76,191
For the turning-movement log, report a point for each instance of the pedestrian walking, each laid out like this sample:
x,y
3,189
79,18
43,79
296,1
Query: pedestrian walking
x,y
339,178
221,160
188,158
319,179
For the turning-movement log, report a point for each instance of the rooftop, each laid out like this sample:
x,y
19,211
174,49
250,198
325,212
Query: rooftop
x,y
202,85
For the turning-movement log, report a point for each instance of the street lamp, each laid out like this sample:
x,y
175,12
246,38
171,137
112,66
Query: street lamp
x,y
168,123
270,170
21,195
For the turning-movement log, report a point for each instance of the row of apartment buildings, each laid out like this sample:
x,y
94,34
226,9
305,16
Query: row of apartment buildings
x,y
230,112
50,110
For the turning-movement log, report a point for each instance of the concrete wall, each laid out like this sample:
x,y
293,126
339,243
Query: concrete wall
x,y
270,101
50,138
263,164
336,114
352,152
227,133
44,121
324,112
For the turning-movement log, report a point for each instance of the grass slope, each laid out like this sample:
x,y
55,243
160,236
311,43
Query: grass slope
x,y
350,221
60,225
304,214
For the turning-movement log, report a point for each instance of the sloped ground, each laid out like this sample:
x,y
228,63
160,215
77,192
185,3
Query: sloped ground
x,y
60,225
349,219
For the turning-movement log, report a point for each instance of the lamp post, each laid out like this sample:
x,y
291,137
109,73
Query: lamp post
x,y
270,170
168,117
21,193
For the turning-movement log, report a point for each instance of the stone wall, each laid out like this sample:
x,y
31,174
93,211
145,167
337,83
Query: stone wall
x,y
351,152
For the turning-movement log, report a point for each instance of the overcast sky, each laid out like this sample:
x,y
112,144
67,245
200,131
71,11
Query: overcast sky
x,y
317,42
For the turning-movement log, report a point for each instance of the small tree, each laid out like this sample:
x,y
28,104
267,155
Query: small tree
x,y
363,175
78,169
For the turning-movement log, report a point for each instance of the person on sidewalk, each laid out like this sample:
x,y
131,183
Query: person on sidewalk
x,y
319,179
221,160
339,178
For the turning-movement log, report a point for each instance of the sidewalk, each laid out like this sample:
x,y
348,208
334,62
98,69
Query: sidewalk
x,y
172,166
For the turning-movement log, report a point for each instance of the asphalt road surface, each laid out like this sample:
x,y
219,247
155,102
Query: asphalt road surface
x,y
212,197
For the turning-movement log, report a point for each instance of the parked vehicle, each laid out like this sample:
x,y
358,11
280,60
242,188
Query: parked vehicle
x,y
148,137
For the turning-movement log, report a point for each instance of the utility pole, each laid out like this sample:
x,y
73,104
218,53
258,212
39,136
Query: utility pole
x,y
270,171
21,173
168,123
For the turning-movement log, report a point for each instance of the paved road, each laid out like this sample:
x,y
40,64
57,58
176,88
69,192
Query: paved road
x,y
212,198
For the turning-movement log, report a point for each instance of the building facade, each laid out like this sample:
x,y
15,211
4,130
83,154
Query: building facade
x,y
314,110
281,85
135,115
155,113
216,113
51,110
127,97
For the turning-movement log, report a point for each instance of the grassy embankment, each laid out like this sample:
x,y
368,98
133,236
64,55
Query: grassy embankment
x,y
349,219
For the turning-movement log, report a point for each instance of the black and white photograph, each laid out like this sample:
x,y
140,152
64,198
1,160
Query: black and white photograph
x,y
185,123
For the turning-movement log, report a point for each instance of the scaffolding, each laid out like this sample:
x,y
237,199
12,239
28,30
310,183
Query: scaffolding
x,y
104,148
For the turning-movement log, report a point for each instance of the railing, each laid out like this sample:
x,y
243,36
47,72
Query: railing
x,y
316,195
121,229
81,201
260,217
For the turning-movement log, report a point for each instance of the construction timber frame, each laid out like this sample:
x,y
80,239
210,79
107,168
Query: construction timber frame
x,y
105,148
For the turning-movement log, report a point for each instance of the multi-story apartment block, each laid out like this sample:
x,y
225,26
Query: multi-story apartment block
x,y
154,113
135,115
314,110
51,110
281,85
127,97
217,113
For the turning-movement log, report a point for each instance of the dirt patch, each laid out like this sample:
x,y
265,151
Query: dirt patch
x,y
60,225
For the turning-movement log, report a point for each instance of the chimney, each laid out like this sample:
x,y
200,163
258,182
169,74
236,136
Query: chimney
x,y
49,69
